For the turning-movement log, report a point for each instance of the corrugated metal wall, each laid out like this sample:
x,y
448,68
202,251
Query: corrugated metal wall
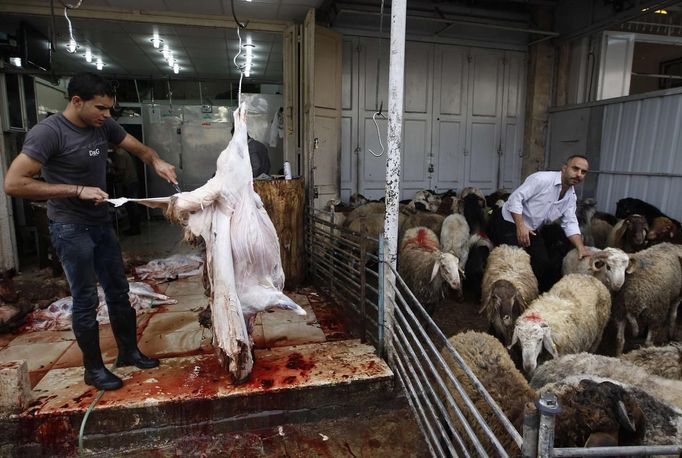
x,y
639,153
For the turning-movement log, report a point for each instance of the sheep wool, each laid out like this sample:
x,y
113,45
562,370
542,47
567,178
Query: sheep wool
x,y
493,367
509,286
650,296
426,270
569,318
666,390
663,361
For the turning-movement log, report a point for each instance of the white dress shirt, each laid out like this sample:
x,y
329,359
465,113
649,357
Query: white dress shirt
x,y
537,200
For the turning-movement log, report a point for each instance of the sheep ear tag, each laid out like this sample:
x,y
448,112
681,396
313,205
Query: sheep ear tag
x,y
434,272
287,304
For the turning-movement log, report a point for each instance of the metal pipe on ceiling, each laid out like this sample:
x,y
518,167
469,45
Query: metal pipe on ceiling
x,y
457,21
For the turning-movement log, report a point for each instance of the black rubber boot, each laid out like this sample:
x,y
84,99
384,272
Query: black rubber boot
x,y
95,373
123,323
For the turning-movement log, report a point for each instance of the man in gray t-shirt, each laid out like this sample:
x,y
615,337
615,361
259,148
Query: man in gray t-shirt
x,y
70,151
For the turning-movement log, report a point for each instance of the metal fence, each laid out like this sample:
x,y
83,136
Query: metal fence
x,y
444,394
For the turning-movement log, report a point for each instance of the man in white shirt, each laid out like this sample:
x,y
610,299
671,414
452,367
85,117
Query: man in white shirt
x,y
542,198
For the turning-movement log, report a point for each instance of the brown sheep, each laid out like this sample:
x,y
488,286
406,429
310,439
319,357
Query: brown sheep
x,y
663,229
629,234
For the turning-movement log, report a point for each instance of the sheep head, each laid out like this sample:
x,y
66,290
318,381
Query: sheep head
x,y
533,333
609,266
662,230
448,266
636,230
426,200
504,304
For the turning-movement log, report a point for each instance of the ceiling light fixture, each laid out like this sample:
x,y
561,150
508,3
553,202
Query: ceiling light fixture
x,y
661,11
88,55
176,69
99,63
166,52
16,61
72,46
171,61
156,41
248,59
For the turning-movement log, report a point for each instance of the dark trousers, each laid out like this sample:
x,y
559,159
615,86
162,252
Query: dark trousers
x,y
503,232
88,253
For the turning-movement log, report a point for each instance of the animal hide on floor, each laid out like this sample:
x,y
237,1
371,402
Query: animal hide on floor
x,y
242,249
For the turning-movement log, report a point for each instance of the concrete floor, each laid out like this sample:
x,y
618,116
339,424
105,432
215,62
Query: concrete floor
x,y
310,374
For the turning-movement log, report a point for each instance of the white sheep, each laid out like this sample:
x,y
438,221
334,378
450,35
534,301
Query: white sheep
x,y
509,286
419,263
651,293
454,237
663,361
609,266
569,318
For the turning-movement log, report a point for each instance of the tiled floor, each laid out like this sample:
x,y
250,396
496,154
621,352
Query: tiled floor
x,y
168,331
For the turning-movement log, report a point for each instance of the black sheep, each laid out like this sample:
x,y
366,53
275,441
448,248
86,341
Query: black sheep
x,y
630,206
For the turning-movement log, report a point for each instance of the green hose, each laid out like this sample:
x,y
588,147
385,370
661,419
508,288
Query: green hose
x,y
87,414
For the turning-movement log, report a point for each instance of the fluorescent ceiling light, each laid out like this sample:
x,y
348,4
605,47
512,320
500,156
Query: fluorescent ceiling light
x,y
72,46
88,55
99,63
176,69
16,61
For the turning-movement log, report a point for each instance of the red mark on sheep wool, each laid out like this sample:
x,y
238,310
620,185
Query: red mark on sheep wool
x,y
533,317
421,240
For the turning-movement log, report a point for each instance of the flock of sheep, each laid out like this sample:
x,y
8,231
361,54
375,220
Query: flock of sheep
x,y
634,282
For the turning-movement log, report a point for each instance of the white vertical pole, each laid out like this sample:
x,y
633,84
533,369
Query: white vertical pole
x,y
396,77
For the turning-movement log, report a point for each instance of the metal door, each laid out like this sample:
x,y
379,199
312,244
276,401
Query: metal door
x,y
373,90
449,117
513,109
483,145
417,157
322,110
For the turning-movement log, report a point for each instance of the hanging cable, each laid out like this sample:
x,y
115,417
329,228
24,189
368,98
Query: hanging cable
x,y
240,68
234,15
379,106
170,96
73,44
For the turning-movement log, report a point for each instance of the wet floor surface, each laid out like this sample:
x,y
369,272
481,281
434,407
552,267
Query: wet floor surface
x,y
302,363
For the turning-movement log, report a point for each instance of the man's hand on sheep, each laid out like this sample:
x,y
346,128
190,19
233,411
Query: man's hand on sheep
x,y
523,234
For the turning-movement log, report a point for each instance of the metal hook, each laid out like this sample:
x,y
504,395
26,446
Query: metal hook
x,y
374,119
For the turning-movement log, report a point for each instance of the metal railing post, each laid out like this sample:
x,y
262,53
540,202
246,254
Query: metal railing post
x,y
549,408
363,285
531,422
380,296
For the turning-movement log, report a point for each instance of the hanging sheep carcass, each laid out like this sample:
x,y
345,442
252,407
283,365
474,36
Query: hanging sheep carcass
x,y
242,249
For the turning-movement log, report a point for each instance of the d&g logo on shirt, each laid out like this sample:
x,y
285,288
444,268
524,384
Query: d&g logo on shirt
x,y
94,152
